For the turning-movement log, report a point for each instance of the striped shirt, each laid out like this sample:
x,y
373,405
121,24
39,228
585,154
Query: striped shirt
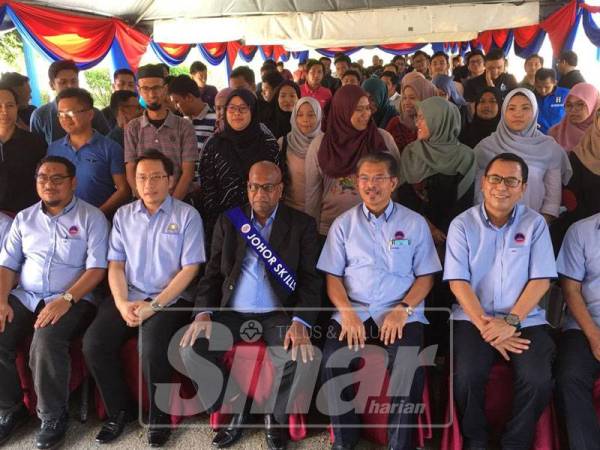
x,y
204,127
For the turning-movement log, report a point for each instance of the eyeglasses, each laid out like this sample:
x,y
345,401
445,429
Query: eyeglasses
x,y
268,188
71,113
154,89
575,106
142,179
237,109
508,181
378,179
55,180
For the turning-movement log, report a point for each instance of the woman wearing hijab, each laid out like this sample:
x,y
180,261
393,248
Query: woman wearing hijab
x,y
228,156
486,117
580,108
220,100
517,132
331,158
281,106
440,169
383,110
414,88
306,126
447,88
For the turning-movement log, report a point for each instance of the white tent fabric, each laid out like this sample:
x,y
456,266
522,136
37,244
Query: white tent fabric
x,y
419,24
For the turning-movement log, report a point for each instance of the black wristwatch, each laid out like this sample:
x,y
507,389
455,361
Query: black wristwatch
x,y
513,320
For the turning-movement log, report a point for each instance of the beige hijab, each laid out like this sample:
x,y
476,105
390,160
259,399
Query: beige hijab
x,y
588,149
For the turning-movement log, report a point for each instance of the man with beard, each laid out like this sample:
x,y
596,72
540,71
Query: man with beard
x,y
160,129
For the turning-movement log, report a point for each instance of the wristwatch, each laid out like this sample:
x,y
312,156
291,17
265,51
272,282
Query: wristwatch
x,y
156,307
67,296
513,320
409,309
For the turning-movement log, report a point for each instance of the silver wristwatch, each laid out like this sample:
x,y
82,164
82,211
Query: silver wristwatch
x,y
67,296
156,307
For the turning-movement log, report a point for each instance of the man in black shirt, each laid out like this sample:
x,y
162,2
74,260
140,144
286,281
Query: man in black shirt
x,y
494,76
569,76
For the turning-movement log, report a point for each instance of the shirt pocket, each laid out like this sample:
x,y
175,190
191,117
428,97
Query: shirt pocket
x,y
72,252
169,250
401,259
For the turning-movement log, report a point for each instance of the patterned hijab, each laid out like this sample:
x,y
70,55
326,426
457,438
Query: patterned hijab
x,y
297,141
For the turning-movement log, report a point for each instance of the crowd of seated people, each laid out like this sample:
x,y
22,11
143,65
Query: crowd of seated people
x,y
335,200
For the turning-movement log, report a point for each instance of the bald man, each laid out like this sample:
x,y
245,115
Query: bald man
x,y
260,282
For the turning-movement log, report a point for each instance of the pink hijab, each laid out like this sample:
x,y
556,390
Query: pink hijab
x,y
424,90
567,134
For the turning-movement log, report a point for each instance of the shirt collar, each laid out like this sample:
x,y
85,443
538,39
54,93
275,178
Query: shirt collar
x,y
165,206
169,120
386,214
510,221
67,139
269,221
65,210
202,114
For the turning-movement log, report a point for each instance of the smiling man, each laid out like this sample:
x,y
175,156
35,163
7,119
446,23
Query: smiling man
x,y
499,262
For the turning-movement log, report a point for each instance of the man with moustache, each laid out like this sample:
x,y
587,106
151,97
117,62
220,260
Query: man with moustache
x,y
158,128
56,252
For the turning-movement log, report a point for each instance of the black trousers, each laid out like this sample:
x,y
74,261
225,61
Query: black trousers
x,y
337,389
576,373
203,362
102,346
49,357
532,379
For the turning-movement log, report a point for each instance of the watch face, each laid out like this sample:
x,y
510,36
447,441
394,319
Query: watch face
x,y
512,320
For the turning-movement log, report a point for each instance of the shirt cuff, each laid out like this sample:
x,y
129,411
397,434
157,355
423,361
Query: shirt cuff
x,y
298,319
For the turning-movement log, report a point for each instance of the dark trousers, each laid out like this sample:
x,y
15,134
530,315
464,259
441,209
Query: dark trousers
x,y
335,381
576,373
203,362
49,357
532,380
102,347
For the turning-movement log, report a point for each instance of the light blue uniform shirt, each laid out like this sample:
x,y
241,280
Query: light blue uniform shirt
x,y
5,223
499,262
96,162
379,258
579,259
52,252
156,247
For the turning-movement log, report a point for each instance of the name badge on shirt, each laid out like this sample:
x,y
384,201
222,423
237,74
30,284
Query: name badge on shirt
x,y
172,228
398,243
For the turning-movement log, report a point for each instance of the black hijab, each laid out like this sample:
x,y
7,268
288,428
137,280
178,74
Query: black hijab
x,y
279,121
478,129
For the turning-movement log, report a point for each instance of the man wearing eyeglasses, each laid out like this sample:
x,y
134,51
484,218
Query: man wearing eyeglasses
x,y
260,281
63,74
56,252
379,259
158,128
156,247
99,160
499,262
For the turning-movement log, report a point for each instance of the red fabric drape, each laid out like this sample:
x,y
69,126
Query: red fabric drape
x,y
559,24
524,36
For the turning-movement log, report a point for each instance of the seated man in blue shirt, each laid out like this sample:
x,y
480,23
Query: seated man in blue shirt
x,y
156,247
499,262
379,258
578,365
62,74
550,98
101,178
56,250
260,281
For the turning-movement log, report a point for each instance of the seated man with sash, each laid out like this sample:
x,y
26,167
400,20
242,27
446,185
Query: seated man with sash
x,y
260,282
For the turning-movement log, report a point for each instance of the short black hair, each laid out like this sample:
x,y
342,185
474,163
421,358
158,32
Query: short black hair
x,y
353,73
342,58
71,170
509,157
245,72
391,75
475,52
389,65
63,64
198,66
273,79
380,157
442,54
164,66
569,56
117,98
314,62
397,57
545,73
270,62
123,72
83,96
6,87
155,155
183,85
324,58
279,64
13,79
495,54
456,57
421,53
150,71
534,56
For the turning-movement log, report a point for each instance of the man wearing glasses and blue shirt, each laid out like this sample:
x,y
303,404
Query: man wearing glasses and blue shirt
x,y
56,251
499,262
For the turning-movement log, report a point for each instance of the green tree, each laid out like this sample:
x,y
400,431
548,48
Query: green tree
x,y
11,49
98,82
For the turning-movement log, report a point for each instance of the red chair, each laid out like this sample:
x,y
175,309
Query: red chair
x,y
499,394
252,369
374,363
79,376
